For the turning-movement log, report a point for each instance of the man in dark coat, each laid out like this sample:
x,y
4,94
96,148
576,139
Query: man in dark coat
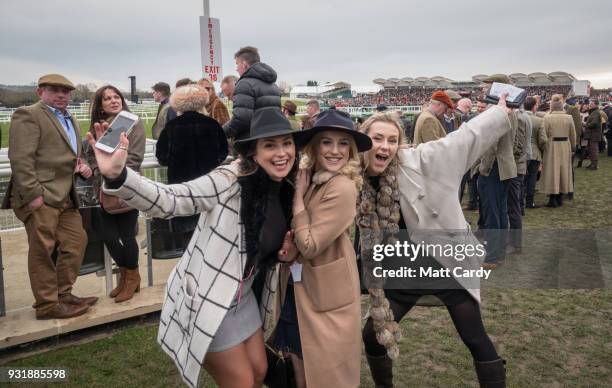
x,y
608,111
592,130
255,89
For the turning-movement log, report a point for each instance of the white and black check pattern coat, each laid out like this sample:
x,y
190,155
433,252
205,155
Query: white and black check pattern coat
x,y
203,284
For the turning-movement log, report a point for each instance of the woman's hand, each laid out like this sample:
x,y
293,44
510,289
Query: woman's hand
x,y
502,102
302,182
288,252
110,165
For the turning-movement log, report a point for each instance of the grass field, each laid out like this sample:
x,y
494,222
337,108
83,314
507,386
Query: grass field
x,y
550,338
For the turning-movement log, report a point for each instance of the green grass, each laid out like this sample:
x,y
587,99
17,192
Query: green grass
x,y
550,338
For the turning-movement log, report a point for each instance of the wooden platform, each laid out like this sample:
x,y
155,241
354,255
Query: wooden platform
x,y
21,326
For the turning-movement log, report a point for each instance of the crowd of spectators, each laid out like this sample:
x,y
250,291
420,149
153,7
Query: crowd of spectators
x,y
419,96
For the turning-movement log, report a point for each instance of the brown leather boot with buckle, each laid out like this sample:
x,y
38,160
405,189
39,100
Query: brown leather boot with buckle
x,y
131,285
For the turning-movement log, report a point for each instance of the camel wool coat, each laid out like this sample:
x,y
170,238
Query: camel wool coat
x,y
557,160
328,297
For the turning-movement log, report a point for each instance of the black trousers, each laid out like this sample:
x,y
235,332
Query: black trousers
x,y
119,235
464,312
515,195
531,179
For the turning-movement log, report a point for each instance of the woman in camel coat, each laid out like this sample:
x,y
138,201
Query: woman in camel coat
x,y
321,295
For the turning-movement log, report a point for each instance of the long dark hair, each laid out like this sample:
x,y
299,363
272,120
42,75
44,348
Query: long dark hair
x,y
97,114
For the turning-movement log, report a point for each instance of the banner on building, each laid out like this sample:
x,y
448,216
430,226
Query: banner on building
x,y
210,38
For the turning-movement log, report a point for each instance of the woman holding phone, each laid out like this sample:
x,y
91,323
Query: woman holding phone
x,y
119,230
210,315
415,190
320,316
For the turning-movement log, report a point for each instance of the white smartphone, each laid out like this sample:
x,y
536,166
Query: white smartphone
x,y
123,123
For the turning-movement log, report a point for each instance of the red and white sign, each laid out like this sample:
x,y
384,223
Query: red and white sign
x,y
210,38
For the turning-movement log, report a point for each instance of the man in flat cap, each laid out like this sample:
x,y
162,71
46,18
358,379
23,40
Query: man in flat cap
x,y
289,110
44,149
428,126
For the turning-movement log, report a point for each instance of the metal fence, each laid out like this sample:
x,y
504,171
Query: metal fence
x,y
150,169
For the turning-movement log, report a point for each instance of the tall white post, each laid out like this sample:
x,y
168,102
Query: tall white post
x,y
206,8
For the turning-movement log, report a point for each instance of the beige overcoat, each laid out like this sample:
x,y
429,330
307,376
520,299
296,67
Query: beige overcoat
x,y
327,298
557,159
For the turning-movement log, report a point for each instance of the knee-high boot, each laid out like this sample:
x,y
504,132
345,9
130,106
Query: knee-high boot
x,y
382,370
491,374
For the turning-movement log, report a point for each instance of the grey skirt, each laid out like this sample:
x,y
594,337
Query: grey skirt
x,y
240,322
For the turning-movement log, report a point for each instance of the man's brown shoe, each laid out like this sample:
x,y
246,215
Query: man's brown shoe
x,y
63,310
72,299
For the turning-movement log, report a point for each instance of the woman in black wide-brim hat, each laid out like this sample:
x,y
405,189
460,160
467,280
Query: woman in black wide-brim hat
x,y
210,315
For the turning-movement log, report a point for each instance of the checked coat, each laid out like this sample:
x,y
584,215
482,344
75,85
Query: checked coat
x,y
203,284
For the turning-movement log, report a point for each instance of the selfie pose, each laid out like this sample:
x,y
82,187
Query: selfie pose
x,y
415,189
210,315
118,230
320,317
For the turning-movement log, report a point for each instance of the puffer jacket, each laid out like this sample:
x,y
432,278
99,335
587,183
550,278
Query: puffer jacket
x,y
255,89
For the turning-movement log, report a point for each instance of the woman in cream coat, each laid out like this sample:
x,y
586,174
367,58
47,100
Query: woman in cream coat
x,y
414,189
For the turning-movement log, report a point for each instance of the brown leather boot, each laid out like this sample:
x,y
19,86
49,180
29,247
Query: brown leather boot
x,y
73,299
491,374
63,310
382,370
120,283
131,285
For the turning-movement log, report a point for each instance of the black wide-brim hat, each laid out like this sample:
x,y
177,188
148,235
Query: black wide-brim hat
x,y
266,122
335,120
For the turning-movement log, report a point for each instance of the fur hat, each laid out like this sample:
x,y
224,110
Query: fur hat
x,y
190,97
441,96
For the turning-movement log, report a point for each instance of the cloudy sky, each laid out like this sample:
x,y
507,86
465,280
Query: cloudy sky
x,y
327,40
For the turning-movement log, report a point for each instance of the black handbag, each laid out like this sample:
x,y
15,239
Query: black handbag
x,y
280,372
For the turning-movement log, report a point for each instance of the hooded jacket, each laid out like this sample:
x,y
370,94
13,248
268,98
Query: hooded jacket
x,y
255,89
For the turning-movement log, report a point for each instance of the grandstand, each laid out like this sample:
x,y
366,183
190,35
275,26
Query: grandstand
x,y
331,90
416,91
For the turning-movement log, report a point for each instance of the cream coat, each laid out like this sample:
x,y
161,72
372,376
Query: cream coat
x,y
429,177
327,298
557,160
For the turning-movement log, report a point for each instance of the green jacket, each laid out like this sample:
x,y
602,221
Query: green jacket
x,y
538,137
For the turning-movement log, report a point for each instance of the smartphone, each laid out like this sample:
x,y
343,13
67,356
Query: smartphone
x,y
123,123
515,98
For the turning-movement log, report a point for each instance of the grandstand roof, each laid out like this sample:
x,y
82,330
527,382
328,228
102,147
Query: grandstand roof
x,y
315,90
537,78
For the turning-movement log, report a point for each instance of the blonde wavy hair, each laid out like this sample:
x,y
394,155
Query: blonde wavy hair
x,y
190,97
556,102
389,118
351,170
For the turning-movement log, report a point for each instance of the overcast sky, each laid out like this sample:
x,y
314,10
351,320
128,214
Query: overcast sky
x,y
326,40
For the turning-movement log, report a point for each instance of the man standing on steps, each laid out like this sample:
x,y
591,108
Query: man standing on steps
x,y
44,146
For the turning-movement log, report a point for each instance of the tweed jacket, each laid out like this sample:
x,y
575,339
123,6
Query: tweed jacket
x,y
522,142
429,177
574,111
538,137
502,152
217,109
160,119
428,128
42,159
203,284
592,127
